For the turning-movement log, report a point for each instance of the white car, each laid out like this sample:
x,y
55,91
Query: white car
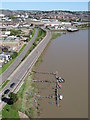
x,y
5,62
0,100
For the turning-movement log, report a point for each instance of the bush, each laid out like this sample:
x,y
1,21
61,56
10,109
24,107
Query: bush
x,y
15,32
14,55
34,44
3,95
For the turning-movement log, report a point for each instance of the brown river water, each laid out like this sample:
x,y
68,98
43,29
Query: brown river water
x,y
68,54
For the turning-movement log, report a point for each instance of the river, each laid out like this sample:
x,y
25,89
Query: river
x,y
68,54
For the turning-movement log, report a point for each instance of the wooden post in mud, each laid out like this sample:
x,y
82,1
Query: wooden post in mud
x,y
57,94
56,90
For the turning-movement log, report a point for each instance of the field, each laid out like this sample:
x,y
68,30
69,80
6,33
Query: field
x,y
3,85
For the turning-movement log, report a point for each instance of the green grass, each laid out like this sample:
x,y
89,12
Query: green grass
x,y
5,66
31,48
41,34
83,28
21,49
33,32
10,112
3,85
55,35
38,61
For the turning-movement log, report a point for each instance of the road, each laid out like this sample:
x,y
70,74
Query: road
x,y
14,65
28,63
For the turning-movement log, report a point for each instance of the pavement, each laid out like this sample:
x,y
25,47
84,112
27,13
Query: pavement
x,y
14,65
26,66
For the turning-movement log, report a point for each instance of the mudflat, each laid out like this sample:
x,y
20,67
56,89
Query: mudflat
x,y
68,54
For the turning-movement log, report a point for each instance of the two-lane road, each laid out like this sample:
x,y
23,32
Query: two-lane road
x,y
14,65
27,64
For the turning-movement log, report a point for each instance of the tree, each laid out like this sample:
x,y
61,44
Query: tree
x,y
13,97
5,49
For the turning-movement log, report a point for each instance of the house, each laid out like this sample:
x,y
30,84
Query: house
x,y
45,20
2,15
4,57
7,33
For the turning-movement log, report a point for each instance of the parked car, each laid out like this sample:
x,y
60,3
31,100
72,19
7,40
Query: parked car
x,y
0,100
6,91
12,85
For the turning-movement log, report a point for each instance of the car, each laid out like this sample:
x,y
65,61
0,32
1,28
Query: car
x,y
12,85
5,62
0,100
6,91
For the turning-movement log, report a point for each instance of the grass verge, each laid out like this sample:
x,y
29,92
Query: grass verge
x,y
83,28
4,84
32,32
38,61
21,49
5,66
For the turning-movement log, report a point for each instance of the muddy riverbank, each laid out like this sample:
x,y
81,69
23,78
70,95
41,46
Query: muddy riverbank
x,y
68,54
